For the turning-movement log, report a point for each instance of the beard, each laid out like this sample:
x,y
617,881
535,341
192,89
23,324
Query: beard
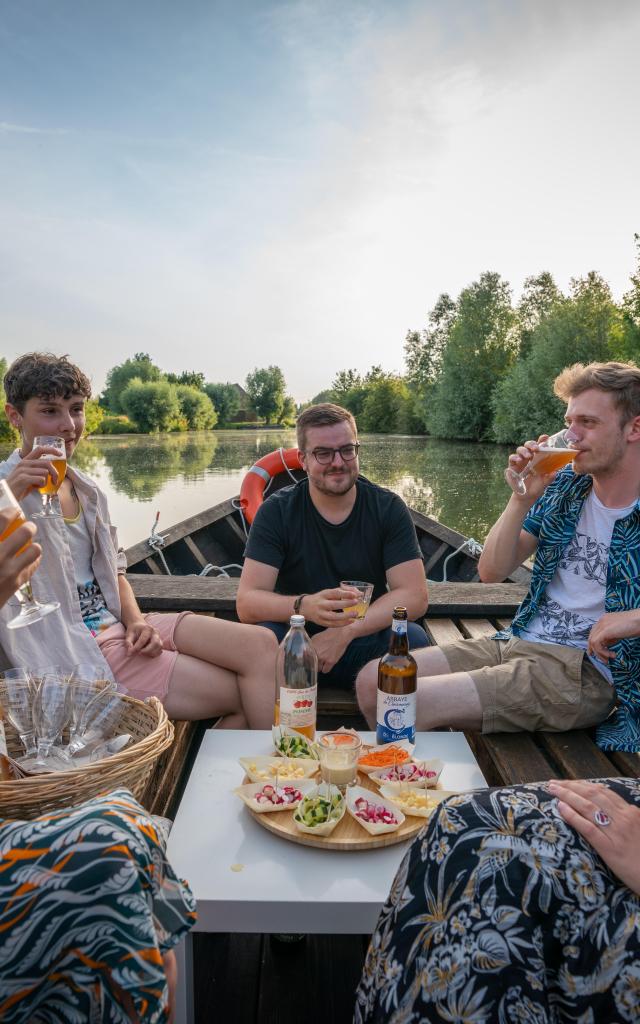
x,y
335,484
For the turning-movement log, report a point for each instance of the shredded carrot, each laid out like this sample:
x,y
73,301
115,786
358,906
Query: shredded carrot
x,y
384,758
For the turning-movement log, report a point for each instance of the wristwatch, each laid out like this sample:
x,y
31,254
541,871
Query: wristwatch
x,y
297,603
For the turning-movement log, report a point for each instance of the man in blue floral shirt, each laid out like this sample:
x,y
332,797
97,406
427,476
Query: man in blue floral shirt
x,y
571,658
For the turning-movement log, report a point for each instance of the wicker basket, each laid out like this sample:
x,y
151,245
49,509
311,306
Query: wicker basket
x,y
152,733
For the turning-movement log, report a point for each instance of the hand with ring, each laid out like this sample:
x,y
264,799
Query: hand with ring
x,y
607,822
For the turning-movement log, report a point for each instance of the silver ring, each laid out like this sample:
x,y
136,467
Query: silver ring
x,y
601,818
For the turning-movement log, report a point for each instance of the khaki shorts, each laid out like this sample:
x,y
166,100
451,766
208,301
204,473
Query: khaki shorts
x,y
525,686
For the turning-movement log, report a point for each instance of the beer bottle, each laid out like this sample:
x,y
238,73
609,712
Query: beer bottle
x,y
397,684
297,680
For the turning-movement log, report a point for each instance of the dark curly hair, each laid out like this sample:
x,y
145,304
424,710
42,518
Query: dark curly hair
x,y
43,375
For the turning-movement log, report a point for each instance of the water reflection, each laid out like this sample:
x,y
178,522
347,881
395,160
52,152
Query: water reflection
x,y
457,483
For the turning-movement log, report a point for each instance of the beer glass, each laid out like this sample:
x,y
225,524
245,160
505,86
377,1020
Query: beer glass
x,y
551,455
365,591
59,462
16,698
30,610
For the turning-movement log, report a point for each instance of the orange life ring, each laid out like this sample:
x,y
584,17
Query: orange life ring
x,y
260,475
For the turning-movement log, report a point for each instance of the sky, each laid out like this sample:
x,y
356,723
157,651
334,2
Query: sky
x,y
227,185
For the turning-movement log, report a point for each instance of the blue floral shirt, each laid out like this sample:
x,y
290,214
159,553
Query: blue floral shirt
x,y
553,520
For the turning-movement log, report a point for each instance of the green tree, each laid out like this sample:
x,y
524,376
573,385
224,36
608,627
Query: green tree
x,y
387,406
349,390
196,407
627,347
188,377
94,415
226,400
7,432
118,377
579,328
480,348
288,414
152,405
540,295
266,389
423,351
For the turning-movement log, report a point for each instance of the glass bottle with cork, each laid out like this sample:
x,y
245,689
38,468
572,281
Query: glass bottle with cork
x,y
297,680
397,686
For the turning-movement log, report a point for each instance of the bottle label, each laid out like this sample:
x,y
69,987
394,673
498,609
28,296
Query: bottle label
x,y
298,706
395,717
399,627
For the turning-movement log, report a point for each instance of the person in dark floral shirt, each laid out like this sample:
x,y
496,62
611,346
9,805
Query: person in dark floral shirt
x,y
514,906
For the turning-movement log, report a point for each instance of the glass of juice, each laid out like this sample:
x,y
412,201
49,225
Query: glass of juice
x,y
365,591
30,610
551,455
339,753
59,462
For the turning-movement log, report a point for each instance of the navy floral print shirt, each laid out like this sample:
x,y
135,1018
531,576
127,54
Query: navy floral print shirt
x,y
553,520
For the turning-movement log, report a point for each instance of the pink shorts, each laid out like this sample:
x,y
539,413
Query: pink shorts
x,y
141,676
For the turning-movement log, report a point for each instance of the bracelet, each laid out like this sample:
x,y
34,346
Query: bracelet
x,y
297,604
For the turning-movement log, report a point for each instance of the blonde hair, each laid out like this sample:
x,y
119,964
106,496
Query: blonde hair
x,y
326,414
621,380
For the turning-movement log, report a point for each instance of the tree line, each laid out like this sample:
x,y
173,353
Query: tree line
x,y
481,369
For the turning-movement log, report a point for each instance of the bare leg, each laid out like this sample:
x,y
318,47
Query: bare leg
x,y
430,661
444,697
234,657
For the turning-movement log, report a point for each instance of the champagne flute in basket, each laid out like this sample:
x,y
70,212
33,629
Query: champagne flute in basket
x,y
58,459
16,697
98,721
30,610
550,456
86,682
51,713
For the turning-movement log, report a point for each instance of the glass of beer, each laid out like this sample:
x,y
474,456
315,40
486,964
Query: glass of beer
x,y
59,462
361,605
31,610
551,455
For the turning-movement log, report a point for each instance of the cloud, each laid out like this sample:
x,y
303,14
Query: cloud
x,y
6,128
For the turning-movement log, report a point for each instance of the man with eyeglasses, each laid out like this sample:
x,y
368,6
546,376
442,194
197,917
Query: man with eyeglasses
x,y
334,525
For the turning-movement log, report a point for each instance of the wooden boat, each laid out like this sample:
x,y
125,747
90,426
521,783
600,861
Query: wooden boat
x,y
196,564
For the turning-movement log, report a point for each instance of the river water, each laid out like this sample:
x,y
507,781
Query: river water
x,y
459,484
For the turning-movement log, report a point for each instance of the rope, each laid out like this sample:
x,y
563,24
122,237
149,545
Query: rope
x,y
238,507
156,542
220,569
474,548
282,459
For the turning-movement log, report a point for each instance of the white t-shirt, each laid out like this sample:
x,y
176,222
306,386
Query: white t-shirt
x,y
574,599
93,607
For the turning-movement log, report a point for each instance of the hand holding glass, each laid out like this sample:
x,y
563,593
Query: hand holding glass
x,y
31,610
550,456
58,460
365,591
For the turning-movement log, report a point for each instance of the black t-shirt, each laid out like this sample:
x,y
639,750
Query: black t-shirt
x,y
311,554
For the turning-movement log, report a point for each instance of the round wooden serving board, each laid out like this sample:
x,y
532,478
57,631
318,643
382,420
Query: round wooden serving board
x,y
347,835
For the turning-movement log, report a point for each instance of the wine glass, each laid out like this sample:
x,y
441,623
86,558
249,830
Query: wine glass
x,y
98,721
551,455
31,610
51,713
59,462
16,698
86,682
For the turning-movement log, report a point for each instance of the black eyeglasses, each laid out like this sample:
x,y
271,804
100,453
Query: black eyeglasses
x,y
324,456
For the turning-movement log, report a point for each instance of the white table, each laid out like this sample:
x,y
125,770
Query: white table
x,y
245,879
